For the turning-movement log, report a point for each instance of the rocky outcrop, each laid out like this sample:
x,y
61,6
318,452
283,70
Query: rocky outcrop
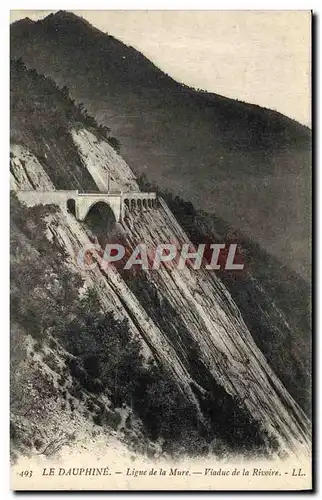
x,y
208,343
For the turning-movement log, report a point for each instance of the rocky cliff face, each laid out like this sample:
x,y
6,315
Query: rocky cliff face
x,y
246,164
196,333
161,360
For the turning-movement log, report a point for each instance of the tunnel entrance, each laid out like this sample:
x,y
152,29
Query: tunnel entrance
x,y
102,222
71,207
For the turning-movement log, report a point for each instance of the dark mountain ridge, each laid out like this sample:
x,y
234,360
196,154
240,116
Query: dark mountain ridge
x,y
245,163
75,29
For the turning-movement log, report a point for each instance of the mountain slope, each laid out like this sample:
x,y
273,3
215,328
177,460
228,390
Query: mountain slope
x,y
249,165
274,301
169,347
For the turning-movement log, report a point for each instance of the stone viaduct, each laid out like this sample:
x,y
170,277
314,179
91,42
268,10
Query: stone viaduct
x,y
81,203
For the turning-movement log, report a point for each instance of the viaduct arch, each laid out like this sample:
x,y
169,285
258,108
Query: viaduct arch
x,y
81,203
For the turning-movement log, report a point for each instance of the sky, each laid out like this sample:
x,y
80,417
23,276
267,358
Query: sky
x,y
261,57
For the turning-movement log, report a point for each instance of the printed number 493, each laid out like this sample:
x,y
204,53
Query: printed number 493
x,y
26,473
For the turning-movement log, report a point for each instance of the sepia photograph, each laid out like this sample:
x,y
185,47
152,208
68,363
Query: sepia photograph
x,y
160,250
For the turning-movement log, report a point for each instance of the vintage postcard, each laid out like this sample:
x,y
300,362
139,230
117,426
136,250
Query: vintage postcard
x,y
160,207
